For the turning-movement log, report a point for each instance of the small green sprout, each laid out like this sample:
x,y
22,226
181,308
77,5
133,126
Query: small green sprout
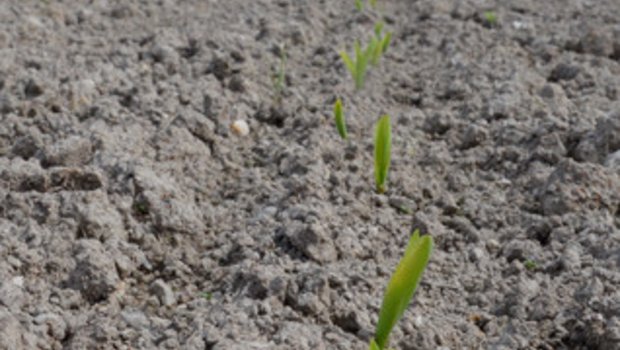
x,y
490,17
379,45
403,209
339,117
141,207
530,265
359,67
373,345
359,5
402,287
383,145
373,3
207,295
280,75
378,28
385,43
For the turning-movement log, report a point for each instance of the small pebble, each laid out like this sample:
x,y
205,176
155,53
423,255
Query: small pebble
x,y
240,127
163,292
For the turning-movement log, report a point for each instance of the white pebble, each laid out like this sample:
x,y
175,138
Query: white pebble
x,y
418,321
18,281
240,127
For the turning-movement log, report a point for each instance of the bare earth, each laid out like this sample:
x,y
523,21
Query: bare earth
x,y
132,217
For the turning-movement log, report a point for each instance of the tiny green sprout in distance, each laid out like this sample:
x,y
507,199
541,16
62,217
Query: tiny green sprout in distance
x,y
142,208
358,67
379,43
373,345
359,5
385,43
377,46
339,117
378,28
490,17
279,75
383,145
530,265
402,287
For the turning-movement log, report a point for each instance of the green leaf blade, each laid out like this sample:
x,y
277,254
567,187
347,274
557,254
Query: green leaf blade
x,y
347,62
490,17
340,121
359,5
385,43
383,145
378,29
361,62
374,51
403,285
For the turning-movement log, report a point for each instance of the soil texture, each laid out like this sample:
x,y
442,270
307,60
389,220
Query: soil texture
x,y
132,216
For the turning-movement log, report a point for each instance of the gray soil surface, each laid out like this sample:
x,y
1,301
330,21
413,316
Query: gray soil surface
x,y
132,217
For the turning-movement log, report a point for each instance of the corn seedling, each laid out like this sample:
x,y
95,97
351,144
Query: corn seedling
x,y
379,44
383,145
530,265
402,287
280,75
358,67
339,117
490,17
378,28
359,5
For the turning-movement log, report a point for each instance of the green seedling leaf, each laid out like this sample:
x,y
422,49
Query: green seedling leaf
x,y
385,43
359,5
490,17
402,286
347,62
378,29
357,68
370,49
378,44
383,145
374,51
361,64
340,122
373,3
373,345
278,80
358,50
530,265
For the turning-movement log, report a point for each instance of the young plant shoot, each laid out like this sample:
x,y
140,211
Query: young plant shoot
x,y
359,5
379,45
385,42
280,75
379,28
383,145
358,67
339,117
402,287
490,17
